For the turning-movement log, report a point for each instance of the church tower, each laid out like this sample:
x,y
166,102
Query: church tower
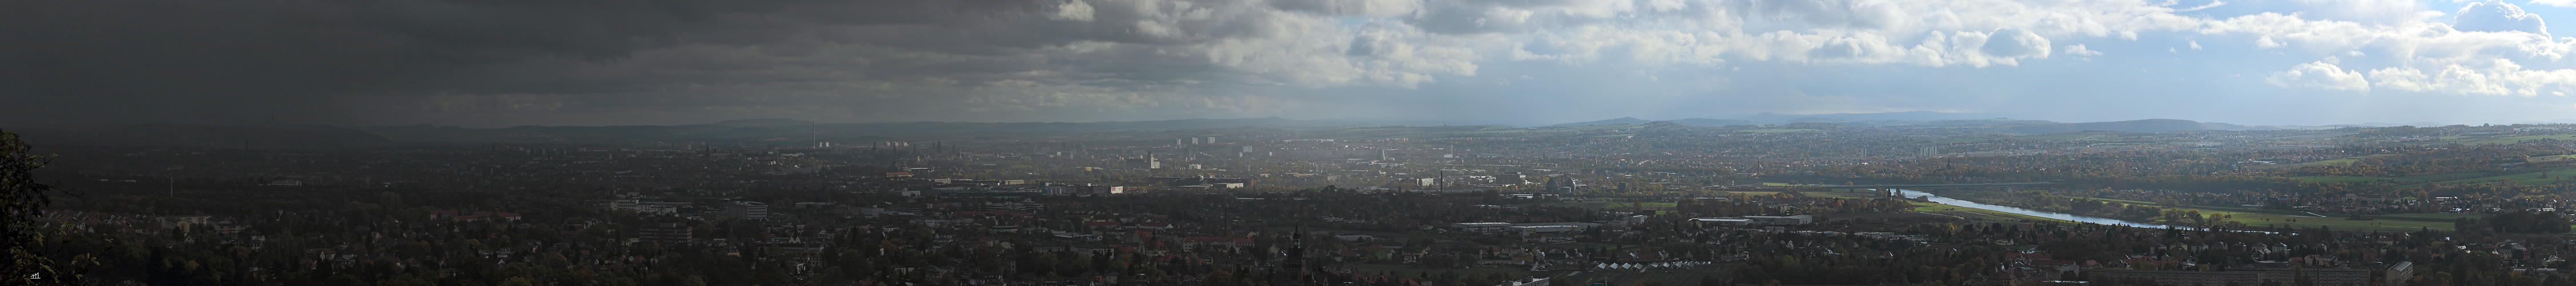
x,y
1296,264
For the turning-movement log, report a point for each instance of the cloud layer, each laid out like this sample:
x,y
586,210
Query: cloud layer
x,y
486,63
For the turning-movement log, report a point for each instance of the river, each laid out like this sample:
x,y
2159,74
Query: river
x,y
2030,212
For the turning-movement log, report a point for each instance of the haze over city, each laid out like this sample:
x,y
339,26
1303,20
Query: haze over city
x,y
498,64
1287,143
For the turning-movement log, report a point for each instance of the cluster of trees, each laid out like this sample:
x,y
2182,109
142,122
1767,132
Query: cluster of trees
x,y
2515,222
1724,207
1874,205
2227,183
30,259
1719,207
2399,161
1909,267
1788,258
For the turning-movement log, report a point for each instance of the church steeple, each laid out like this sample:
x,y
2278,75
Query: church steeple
x,y
1296,264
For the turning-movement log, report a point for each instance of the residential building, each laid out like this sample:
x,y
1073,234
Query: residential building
x,y
747,210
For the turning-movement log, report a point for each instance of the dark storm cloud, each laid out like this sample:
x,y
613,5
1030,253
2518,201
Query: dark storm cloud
x,y
601,62
499,63
249,61
244,60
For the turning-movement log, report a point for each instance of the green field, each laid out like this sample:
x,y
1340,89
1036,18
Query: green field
x,y
1854,195
2343,161
2403,180
1837,193
2269,219
2475,140
2273,218
2550,158
2337,179
2432,216
2552,176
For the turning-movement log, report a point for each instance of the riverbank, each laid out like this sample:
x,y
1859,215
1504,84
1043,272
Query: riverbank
x,y
2259,218
2298,219
1978,214
2022,211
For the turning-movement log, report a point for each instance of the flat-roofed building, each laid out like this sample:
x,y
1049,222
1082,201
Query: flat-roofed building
x,y
665,233
1480,226
1709,222
1545,229
747,210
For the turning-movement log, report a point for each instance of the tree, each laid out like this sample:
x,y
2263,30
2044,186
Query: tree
x,y
2299,276
22,199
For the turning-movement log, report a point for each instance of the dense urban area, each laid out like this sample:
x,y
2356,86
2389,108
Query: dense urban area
x,y
1645,204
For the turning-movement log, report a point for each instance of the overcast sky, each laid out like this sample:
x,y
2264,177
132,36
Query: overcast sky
x,y
505,63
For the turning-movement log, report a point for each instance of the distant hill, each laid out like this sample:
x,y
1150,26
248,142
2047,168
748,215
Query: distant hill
x,y
773,122
2234,127
2146,126
205,136
1613,121
1767,117
1710,122
1703,122
1976,122
2385,124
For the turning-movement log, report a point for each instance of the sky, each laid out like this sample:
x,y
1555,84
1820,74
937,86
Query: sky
x,y
484,63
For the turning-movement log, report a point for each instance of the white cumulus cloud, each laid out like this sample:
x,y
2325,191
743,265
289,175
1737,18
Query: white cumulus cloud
x,y
2496,77
2497,16
2319,75
2080,50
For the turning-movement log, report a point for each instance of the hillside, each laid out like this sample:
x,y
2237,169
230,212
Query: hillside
x,y
1704,122
207,136
1613,121
2147,126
